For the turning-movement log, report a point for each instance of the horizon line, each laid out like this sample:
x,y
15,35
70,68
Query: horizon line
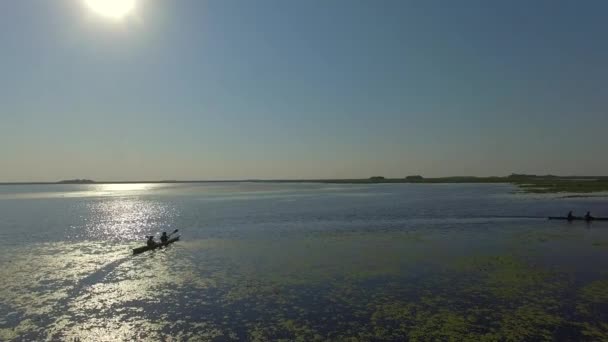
x,y
378,179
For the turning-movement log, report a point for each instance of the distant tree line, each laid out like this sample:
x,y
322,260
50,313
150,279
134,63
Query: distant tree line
x,y
76,181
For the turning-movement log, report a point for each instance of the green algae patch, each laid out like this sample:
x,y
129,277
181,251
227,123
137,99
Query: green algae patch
x,y
593,309
301,331
444,325
596,292
311,261
595,332
393,320
510,278
25,327
529,322
421,322
284,330
525,301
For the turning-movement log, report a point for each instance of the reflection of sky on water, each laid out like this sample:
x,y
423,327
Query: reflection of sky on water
x,y
315,262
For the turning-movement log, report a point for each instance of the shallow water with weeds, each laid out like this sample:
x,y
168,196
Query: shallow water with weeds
x,y
301,262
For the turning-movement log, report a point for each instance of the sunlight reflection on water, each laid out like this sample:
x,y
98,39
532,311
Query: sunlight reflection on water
x,y
124,219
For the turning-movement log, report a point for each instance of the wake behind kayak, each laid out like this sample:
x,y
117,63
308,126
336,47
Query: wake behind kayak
x,y
578,218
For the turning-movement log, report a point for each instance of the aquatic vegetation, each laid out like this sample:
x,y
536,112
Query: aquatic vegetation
x,y
595,331
284,330
441,312
509,278
525,302
593,308
438,320
529,322
27,327
443,325
354,287
596,292
416,321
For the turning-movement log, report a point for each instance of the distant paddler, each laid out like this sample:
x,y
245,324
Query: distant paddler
x,y
570,216
588,216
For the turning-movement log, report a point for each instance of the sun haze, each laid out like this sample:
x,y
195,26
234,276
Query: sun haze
x,y
114,9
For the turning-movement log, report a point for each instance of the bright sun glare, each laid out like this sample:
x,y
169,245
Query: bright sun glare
x,y
114,9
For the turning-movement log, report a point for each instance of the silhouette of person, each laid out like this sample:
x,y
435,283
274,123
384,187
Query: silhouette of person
x,y
164,238
570,216
151,242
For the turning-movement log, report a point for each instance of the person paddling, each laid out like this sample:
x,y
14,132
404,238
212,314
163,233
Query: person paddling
x,y
570,216
164,237
588,216
151,242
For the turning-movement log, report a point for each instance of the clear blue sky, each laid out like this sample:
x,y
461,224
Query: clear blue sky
x,y
195,89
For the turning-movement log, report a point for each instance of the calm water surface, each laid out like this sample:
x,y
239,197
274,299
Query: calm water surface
x,y
261,261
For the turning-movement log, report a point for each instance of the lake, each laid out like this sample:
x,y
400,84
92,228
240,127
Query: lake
x,y
300,261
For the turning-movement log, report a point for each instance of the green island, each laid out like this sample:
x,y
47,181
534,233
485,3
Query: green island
x,y
526,183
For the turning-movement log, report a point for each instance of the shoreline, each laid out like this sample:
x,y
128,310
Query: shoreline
x,y
569,186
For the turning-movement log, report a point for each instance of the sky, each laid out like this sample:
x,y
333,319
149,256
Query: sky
x,y
286,89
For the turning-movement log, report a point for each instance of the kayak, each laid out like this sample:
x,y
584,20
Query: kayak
x,y
158,245
578,218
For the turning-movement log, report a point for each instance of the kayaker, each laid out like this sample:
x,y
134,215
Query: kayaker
x,y
570,216
588,216
164,237
151,242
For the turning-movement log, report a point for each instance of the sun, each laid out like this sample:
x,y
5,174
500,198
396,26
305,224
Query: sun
x,y
113,9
